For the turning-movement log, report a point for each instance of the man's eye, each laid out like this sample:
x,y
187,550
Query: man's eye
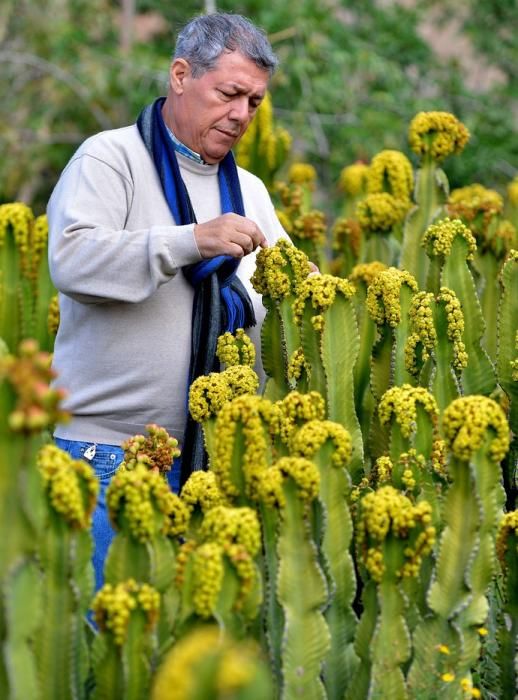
x,y
227,94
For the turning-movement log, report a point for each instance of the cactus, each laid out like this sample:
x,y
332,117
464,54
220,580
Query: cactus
x,y
508,365
477,435
280,271
126,615
433,136
452,245
393,536
507,551
328,445
329,332
353,183
380,216
290,485
65,554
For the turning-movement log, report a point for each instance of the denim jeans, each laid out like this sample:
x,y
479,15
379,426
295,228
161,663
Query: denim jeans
x,y
105,459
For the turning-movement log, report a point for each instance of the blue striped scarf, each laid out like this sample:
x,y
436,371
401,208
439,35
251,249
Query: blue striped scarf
x,y
221,303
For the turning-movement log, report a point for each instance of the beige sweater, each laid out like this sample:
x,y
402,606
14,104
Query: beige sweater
x,y
123,345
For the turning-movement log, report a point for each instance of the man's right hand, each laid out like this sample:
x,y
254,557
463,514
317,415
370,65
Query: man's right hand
x,y
229,234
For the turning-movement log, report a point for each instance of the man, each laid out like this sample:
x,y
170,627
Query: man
x,y
153,236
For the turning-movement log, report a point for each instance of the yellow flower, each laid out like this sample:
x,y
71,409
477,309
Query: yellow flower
x,y
71,485
423,330
439,237
346,234
482,631
308,440
381,212
438,134
383,295
114,605
301,471
455,330
207,574
236,349
366,272
302,174
475,202
310,226
296,409
280,269
201,490
226,525
507,533
401,402
391,171
467,420
53,315
443,649
207,395
512,192
353,179
448,677
320,291
156,451
241,379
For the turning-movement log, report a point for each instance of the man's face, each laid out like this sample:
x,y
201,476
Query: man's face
x,y
212,112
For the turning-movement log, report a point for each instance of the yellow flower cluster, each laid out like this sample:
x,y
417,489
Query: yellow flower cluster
x,y
201,490
302,174
156,451
113,605
439,237
297,365
514,363
208,578
291,196
391,171
468,687
177,517
476,204
38,243
207,396
294,410
455,332
250,416
241,379
53,315
284,220
226,526
387,512
353,179
279,270
235,349
466,422
310,226
307,441
383,295
234,664
438,457
38,405
321,291
71,485
382,470
366,272
401,401
438,134
507,533
17,217
512,192
381,212
271,143
346,232
303,473
423,330
135,498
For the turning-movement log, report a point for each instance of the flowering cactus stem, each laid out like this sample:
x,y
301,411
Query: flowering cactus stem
x,y
400,373
478,377
444,382
431,192
359,686
273,353
489,266
329,446
44,293
14,294
507,549
507,364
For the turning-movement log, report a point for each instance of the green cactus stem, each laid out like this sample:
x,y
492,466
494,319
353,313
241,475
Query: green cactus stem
x,y
507,365
328,445
433,136
66,547
353,183
393,537
380,216
452,245
478,438
291,485
122,652
327,316
280,271
507,551
346,241
412,413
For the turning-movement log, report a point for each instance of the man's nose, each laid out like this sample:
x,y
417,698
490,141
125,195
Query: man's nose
x,y
239,111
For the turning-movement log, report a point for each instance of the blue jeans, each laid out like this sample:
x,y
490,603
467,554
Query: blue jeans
x,y
105,460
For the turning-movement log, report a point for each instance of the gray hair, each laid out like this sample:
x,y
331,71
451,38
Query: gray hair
x,y
202,41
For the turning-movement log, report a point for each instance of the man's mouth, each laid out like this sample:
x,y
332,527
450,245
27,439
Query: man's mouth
x,y
229,134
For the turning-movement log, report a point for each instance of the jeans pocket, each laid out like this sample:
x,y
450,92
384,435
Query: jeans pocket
x,y
104,459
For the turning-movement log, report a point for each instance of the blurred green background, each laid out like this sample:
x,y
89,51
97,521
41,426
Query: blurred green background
x,y
352,75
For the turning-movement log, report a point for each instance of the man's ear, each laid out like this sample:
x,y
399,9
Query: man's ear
x,y
179,71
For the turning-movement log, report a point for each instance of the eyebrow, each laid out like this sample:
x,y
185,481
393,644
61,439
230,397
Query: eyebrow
x,y
241,90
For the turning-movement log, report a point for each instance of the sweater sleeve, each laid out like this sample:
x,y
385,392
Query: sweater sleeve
x,y
93,258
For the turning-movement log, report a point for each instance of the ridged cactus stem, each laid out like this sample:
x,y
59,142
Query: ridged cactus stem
x,y
445,383
489,267
273,353
13,289
507,548
359,687
400,373
431,191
